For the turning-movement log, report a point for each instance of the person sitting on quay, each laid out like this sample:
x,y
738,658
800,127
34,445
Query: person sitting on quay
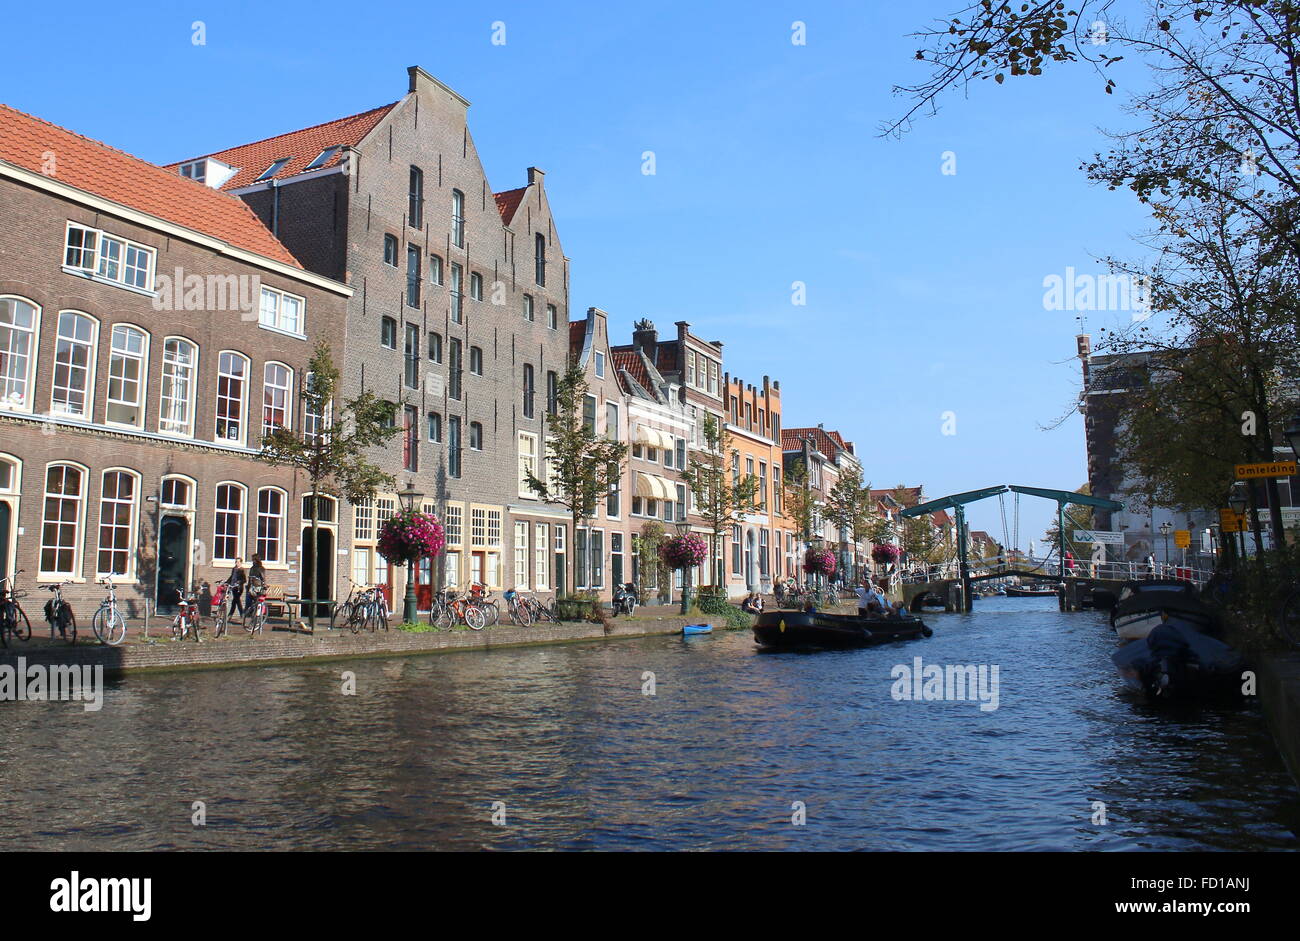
x,y
752,604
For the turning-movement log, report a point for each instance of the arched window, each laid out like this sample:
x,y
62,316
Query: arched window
x,y
11,471
180,365
74,365
228,527
232,386
539,258
177,492
128,354
61,523
270,524
117,516
277,386
19,321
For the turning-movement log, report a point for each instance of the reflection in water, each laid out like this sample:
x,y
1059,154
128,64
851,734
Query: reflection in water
x,y
581,759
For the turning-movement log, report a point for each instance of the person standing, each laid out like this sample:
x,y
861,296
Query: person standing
x,y
256,571
238,578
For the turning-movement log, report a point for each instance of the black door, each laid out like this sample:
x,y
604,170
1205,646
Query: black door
x,y
173,553
321,556
5,522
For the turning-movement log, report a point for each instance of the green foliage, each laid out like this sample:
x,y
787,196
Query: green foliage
x,y
417,628
715,604
722,498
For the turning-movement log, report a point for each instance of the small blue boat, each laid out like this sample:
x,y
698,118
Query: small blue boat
x,y
697,629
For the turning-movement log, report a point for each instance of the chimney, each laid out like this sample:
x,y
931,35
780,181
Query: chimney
x,y
535,176
645,337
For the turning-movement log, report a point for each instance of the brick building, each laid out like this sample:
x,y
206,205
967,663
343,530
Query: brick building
x,y
759,547
458,317
825,454
143,318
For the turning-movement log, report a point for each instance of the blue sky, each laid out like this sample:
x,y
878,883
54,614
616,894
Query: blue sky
x,y
924,290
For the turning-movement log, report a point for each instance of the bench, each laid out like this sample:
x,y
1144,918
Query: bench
x,y
275,600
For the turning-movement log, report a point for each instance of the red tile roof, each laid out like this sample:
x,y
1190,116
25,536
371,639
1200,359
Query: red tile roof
x,y
508,202
577,336
631,362
911,495
302,147
792,440
137,184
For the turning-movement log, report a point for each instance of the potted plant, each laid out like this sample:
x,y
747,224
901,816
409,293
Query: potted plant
x,y
819,562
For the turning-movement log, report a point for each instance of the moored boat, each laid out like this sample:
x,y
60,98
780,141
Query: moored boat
x,y
1176,660
795,629
1142,605
1015,591
690,629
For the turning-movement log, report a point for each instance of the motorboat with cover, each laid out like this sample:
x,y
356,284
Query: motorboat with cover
x,y
1175,660
1141,605
795,629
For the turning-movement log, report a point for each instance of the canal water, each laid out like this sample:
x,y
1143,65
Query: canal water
x,y
731,748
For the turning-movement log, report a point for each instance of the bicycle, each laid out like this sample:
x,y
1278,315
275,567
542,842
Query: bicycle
x,y
369,611
449,610
107,623
519,612
223,609
542,611
13,620
58,613
187,621
481,597
255,608
341,616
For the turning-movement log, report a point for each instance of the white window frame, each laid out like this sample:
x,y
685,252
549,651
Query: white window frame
x,y
272,316
523,459
541,557
240,522
521,555
92,348
142,377
33,335
132,525
168,425
281,520
246,382
191,490
99,260
287,389
79,525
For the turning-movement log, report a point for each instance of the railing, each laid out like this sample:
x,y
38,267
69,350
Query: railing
x,y
1048,567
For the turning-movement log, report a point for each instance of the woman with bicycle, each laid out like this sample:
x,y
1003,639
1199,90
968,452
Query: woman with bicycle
x,y
235,586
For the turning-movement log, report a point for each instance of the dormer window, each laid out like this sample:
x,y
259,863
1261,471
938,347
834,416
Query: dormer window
x,y
273,169
197,171
322,158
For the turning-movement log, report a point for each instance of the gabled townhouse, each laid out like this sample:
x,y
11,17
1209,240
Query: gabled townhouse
x,y
662,431
458,317
603,547
826,454
760,546
151,331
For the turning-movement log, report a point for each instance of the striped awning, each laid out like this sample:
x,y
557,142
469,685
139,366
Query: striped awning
x,y
654,486
654,437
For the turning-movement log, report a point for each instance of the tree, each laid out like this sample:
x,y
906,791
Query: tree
x,y
1077,516
654,573
581,466
330,446
800,497
848,507
722,497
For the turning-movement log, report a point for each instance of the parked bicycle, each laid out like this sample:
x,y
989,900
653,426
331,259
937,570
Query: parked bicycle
x,y
256,609
480,596
369,610
520,613
341,616
187,621
449,609
58,613
107,622
542,610
13,620
223,603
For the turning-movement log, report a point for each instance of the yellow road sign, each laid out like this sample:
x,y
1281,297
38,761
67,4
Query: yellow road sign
x,y
1183,538
1266,469
1231,521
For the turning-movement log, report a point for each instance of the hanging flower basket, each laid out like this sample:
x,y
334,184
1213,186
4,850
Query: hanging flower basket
x,y
884,554
819,562
684,552
411,536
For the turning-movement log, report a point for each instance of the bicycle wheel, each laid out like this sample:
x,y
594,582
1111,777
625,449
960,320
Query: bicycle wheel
x,y
475,620
19,626
445,618
69,624
220,621
491,613
1290,618
340,615
109,627
520,615
178,627
257,622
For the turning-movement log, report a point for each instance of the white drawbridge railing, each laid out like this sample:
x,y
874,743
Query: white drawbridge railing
x,y
1049,567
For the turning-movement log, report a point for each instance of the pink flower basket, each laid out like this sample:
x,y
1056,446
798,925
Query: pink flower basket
x,y
411,536
684,552
884,554
819,562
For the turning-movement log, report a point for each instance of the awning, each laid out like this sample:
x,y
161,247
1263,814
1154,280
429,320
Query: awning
x,y
654,437
652,485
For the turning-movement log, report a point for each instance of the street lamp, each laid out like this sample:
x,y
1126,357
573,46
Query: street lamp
x,y
684,529
815,543
1165,530
410,498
